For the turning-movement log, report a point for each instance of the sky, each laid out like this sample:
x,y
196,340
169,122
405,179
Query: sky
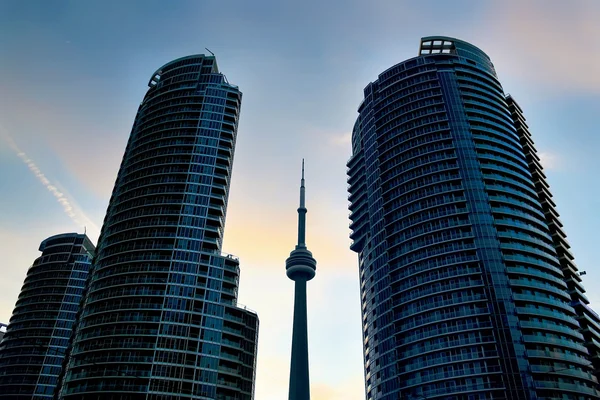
x,y
74,72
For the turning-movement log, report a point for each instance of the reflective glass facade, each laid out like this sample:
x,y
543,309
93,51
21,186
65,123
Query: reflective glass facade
x,y
160,318
38,337
463,286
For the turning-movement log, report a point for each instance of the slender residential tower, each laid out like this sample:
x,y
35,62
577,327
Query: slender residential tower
x,y
38,337
468,289
300,267
160,318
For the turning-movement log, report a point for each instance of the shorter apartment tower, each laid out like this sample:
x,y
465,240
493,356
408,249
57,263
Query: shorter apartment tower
x,y
38,337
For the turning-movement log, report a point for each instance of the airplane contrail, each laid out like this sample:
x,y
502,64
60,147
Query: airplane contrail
x,y
72,212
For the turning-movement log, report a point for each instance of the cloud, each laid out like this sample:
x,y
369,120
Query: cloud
x,y
550,161
18,253
272,375
342,140
273,380
267,236
69,207
350,389
546,42
88,145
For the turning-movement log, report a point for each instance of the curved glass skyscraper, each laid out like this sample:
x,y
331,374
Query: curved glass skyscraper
x,y
160,318
464,290
36,343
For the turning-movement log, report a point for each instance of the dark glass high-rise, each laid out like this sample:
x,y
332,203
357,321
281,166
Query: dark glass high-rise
x,y
160,318
38,337
468,290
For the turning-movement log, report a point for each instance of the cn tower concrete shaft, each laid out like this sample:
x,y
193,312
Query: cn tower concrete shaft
x,y
299,379
300,267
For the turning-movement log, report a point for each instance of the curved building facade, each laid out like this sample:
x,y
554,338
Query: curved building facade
x,y
463,293
588,319
160,318
38,337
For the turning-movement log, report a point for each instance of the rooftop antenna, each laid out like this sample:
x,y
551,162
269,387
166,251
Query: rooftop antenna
x,y
213,54
302,212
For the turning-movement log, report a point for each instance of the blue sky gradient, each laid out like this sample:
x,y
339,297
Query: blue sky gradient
x,y
74,72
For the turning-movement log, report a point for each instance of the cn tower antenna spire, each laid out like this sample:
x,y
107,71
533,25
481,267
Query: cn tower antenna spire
x,y
300,267
302,213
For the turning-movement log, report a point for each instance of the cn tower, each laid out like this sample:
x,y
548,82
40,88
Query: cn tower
x,y
300,267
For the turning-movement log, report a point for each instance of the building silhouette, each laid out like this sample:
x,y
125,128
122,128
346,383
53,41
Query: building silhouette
x,y
160,318
301,268
468,288
39,334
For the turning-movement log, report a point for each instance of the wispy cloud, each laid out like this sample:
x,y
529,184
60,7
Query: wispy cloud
x,y
545,42
343,139
69,207
550,161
